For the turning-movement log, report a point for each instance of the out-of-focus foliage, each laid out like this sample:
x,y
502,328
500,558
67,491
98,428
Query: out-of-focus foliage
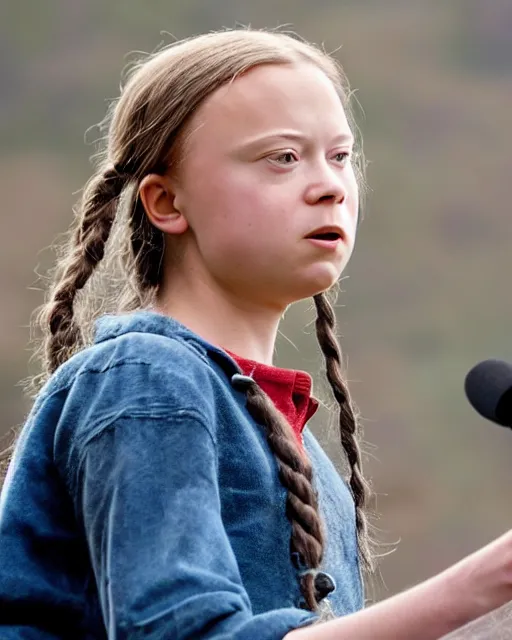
x,y
428,292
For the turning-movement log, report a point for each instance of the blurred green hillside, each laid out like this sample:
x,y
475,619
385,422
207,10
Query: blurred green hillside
x,y
428,291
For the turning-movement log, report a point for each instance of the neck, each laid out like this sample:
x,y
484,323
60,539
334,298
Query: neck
x,y
227,321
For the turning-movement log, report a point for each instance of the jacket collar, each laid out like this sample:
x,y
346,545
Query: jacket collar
x,y
112,326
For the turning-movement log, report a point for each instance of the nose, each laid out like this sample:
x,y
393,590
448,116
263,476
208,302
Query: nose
x,y
327,185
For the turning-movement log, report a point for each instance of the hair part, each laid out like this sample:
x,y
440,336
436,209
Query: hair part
x,y
144,127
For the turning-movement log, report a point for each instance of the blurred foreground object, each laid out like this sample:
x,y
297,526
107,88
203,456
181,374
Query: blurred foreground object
x,y
489,390
496,625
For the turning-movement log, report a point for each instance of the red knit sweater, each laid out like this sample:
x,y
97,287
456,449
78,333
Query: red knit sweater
x,y
290,391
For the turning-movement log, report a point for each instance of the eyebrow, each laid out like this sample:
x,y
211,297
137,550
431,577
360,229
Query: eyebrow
x,y
342,138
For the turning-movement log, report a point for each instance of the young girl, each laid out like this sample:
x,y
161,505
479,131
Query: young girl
x,y
165,484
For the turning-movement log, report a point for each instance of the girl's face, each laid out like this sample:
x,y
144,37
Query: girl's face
x,y
265,163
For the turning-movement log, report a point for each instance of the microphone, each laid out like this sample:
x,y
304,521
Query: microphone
x,y
488,388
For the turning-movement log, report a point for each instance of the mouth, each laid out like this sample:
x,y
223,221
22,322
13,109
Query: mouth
x,y
327,234
330,235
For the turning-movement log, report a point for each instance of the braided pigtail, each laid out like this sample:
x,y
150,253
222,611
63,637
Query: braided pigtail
x,y
295,474
147,255
85,250
349,427
141,259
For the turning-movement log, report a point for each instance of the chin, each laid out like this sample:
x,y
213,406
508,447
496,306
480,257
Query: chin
x,y
313,287
325,278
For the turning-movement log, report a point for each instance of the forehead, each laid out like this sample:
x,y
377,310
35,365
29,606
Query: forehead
x,y
270,97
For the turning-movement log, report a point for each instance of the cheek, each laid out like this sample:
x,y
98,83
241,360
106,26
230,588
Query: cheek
x,y
239,204
351,232
351,215
353,202
353,187
225,223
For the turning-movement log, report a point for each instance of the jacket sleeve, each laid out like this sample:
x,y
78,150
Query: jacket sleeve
x,y
164,566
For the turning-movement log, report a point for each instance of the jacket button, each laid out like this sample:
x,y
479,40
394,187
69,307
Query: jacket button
x,y
324,585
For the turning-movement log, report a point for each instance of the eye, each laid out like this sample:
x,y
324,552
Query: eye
x,y
342,157
286,158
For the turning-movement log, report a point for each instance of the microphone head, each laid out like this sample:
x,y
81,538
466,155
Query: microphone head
x,y
488,388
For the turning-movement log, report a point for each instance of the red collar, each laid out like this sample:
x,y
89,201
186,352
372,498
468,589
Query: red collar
x,y
290,390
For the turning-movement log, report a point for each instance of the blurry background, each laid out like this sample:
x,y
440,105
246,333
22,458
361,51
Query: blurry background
x,y
428,293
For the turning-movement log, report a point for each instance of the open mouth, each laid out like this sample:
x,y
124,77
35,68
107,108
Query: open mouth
x,y
330,236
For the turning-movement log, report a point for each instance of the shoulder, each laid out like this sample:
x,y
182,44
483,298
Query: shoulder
x,y
134,371
134,376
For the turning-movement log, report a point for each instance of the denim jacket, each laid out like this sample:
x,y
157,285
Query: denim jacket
x,y
143,501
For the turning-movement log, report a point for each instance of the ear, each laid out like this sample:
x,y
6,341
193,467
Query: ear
x,y
159,200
